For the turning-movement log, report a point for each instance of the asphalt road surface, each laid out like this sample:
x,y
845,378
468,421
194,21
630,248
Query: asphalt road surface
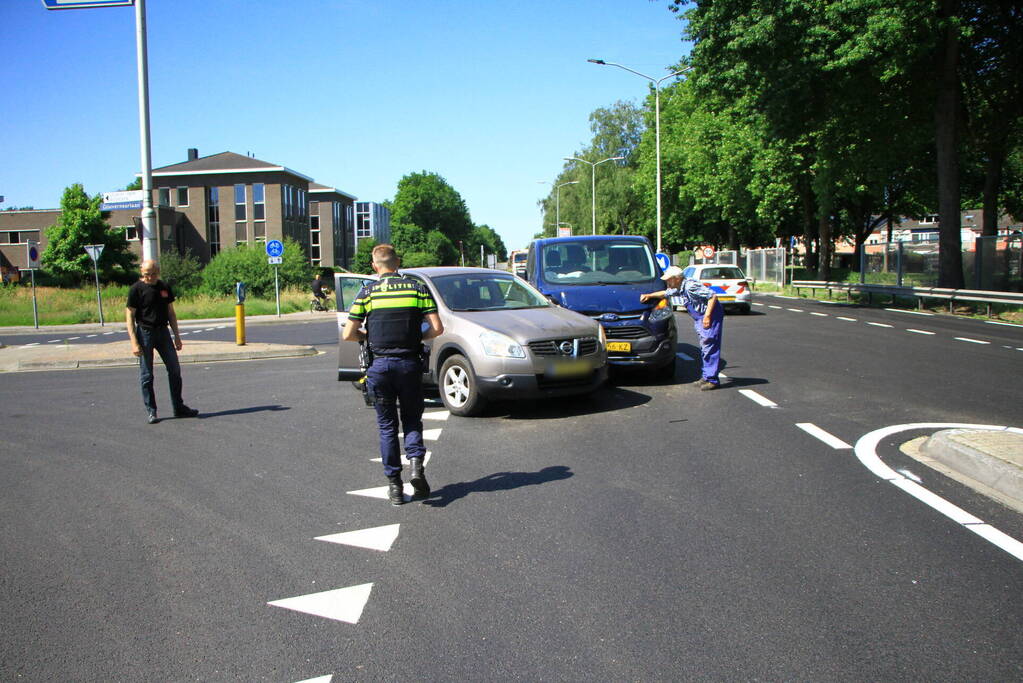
x,y
649,532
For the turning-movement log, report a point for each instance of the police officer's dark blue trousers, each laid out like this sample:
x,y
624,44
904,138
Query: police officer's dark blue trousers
x,y
160,340
397,383
710,342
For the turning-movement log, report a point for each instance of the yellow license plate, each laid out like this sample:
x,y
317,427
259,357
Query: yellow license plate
x,y
619,346
726,298
567,368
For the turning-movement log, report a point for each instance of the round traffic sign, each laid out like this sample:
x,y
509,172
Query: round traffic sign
x,y
708,252
274,248
662,260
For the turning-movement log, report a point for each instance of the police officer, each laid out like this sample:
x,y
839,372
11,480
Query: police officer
x,y
393,309
708,318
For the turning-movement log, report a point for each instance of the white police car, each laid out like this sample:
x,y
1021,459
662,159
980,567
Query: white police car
x,y
728,282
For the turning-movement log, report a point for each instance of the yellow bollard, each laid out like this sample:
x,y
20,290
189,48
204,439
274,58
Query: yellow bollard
x,y
239,324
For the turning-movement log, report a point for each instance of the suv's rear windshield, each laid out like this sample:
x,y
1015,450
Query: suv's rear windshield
x,y
597,262
519,257
721,273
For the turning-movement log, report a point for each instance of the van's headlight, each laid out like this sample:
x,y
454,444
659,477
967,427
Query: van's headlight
x,y
662,311
501,346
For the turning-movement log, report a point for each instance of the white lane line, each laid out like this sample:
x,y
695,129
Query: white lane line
x,y
773,306
428,435
842,317
866,452
90,336
757,398
756,304
820,315
972,341
25,346
182,334
683,356
106,333
72,338
910,329
994,322
341,604
900,310
437,415
378,538
220,327
818,433
782,296
880,324
795,310
210,329
53,341
909,475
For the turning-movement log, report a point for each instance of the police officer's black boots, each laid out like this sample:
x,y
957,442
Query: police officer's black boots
x,y
395,490
421,489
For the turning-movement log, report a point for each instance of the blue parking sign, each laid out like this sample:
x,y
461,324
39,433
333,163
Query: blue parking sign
x,y
274,248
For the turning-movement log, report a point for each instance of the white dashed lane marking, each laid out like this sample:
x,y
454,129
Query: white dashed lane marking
x,y
818,433
900,310
880,324
842,317
819,315
757,398
910,329
972,341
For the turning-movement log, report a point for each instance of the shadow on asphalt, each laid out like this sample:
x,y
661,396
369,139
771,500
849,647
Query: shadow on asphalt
x,y
604,400
500,481
243,411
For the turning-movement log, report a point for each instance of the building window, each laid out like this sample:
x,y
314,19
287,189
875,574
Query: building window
x,y
258,201
213,220
131,233
259,231
10,237
240,236
239,202
164,199
182,196
932,218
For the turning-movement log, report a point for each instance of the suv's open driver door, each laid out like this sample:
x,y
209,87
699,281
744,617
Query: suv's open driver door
x,y
346,287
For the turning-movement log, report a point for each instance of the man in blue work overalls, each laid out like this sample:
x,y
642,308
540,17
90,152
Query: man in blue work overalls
x,y
394,309
708,318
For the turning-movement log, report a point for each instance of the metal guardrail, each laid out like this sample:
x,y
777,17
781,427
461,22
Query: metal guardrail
x,y
953,296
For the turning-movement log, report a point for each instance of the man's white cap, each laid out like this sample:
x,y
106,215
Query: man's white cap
x,y
672,271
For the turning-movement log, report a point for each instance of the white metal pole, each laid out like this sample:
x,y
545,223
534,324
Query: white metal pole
x,y
149,245
277,289
99,298
35,304
657,144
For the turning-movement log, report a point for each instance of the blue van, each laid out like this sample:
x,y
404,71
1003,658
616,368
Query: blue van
x,y
602,277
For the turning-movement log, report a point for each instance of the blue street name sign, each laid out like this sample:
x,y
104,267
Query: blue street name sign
x,y
662,260
274,248
85,4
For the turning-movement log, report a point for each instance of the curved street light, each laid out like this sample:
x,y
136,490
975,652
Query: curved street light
x,y
657,126
557,215
593,185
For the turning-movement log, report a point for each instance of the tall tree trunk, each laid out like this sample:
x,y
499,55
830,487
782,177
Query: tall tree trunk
x,y
992,184
946,119
826,246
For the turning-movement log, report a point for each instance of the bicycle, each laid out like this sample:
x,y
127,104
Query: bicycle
x,y
326,305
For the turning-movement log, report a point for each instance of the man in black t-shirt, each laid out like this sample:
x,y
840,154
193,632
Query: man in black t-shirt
x,y
149,312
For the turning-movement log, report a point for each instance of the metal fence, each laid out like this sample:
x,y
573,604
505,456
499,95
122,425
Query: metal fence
x,y
766,265
991,263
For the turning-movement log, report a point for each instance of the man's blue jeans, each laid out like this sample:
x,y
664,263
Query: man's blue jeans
x,y
397,383
160,341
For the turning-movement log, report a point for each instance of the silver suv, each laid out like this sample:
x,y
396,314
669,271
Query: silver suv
x,y
502,340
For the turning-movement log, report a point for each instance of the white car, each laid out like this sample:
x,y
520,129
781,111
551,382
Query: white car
x,y
728,282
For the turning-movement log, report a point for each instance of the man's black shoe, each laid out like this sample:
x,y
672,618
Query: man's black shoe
x,y
152,419
185,411
395,492
421,489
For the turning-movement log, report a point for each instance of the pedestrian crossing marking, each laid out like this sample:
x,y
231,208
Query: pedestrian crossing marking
x,y
437,415
378,538
341,604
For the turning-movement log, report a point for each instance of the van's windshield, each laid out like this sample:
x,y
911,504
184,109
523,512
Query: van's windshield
x,y
597,262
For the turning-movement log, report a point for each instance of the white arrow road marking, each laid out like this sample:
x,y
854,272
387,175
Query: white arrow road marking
x,y
319,679
381,492
405,461
428,434
378,538
815,431
972,341
341,604
757,398
437,415
866,452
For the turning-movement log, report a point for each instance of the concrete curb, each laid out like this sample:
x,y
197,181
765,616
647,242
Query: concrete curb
x,y
119,326
993,458
40,358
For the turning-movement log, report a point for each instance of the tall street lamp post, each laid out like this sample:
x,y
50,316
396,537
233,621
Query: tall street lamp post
x,y
657,126
593,185
557,210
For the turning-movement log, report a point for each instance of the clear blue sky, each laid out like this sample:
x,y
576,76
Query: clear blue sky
x,y
353,93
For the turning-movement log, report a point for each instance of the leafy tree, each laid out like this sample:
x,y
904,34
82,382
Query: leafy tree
x,y
134,185
183,272
428,202
363,261
81,223
248,264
